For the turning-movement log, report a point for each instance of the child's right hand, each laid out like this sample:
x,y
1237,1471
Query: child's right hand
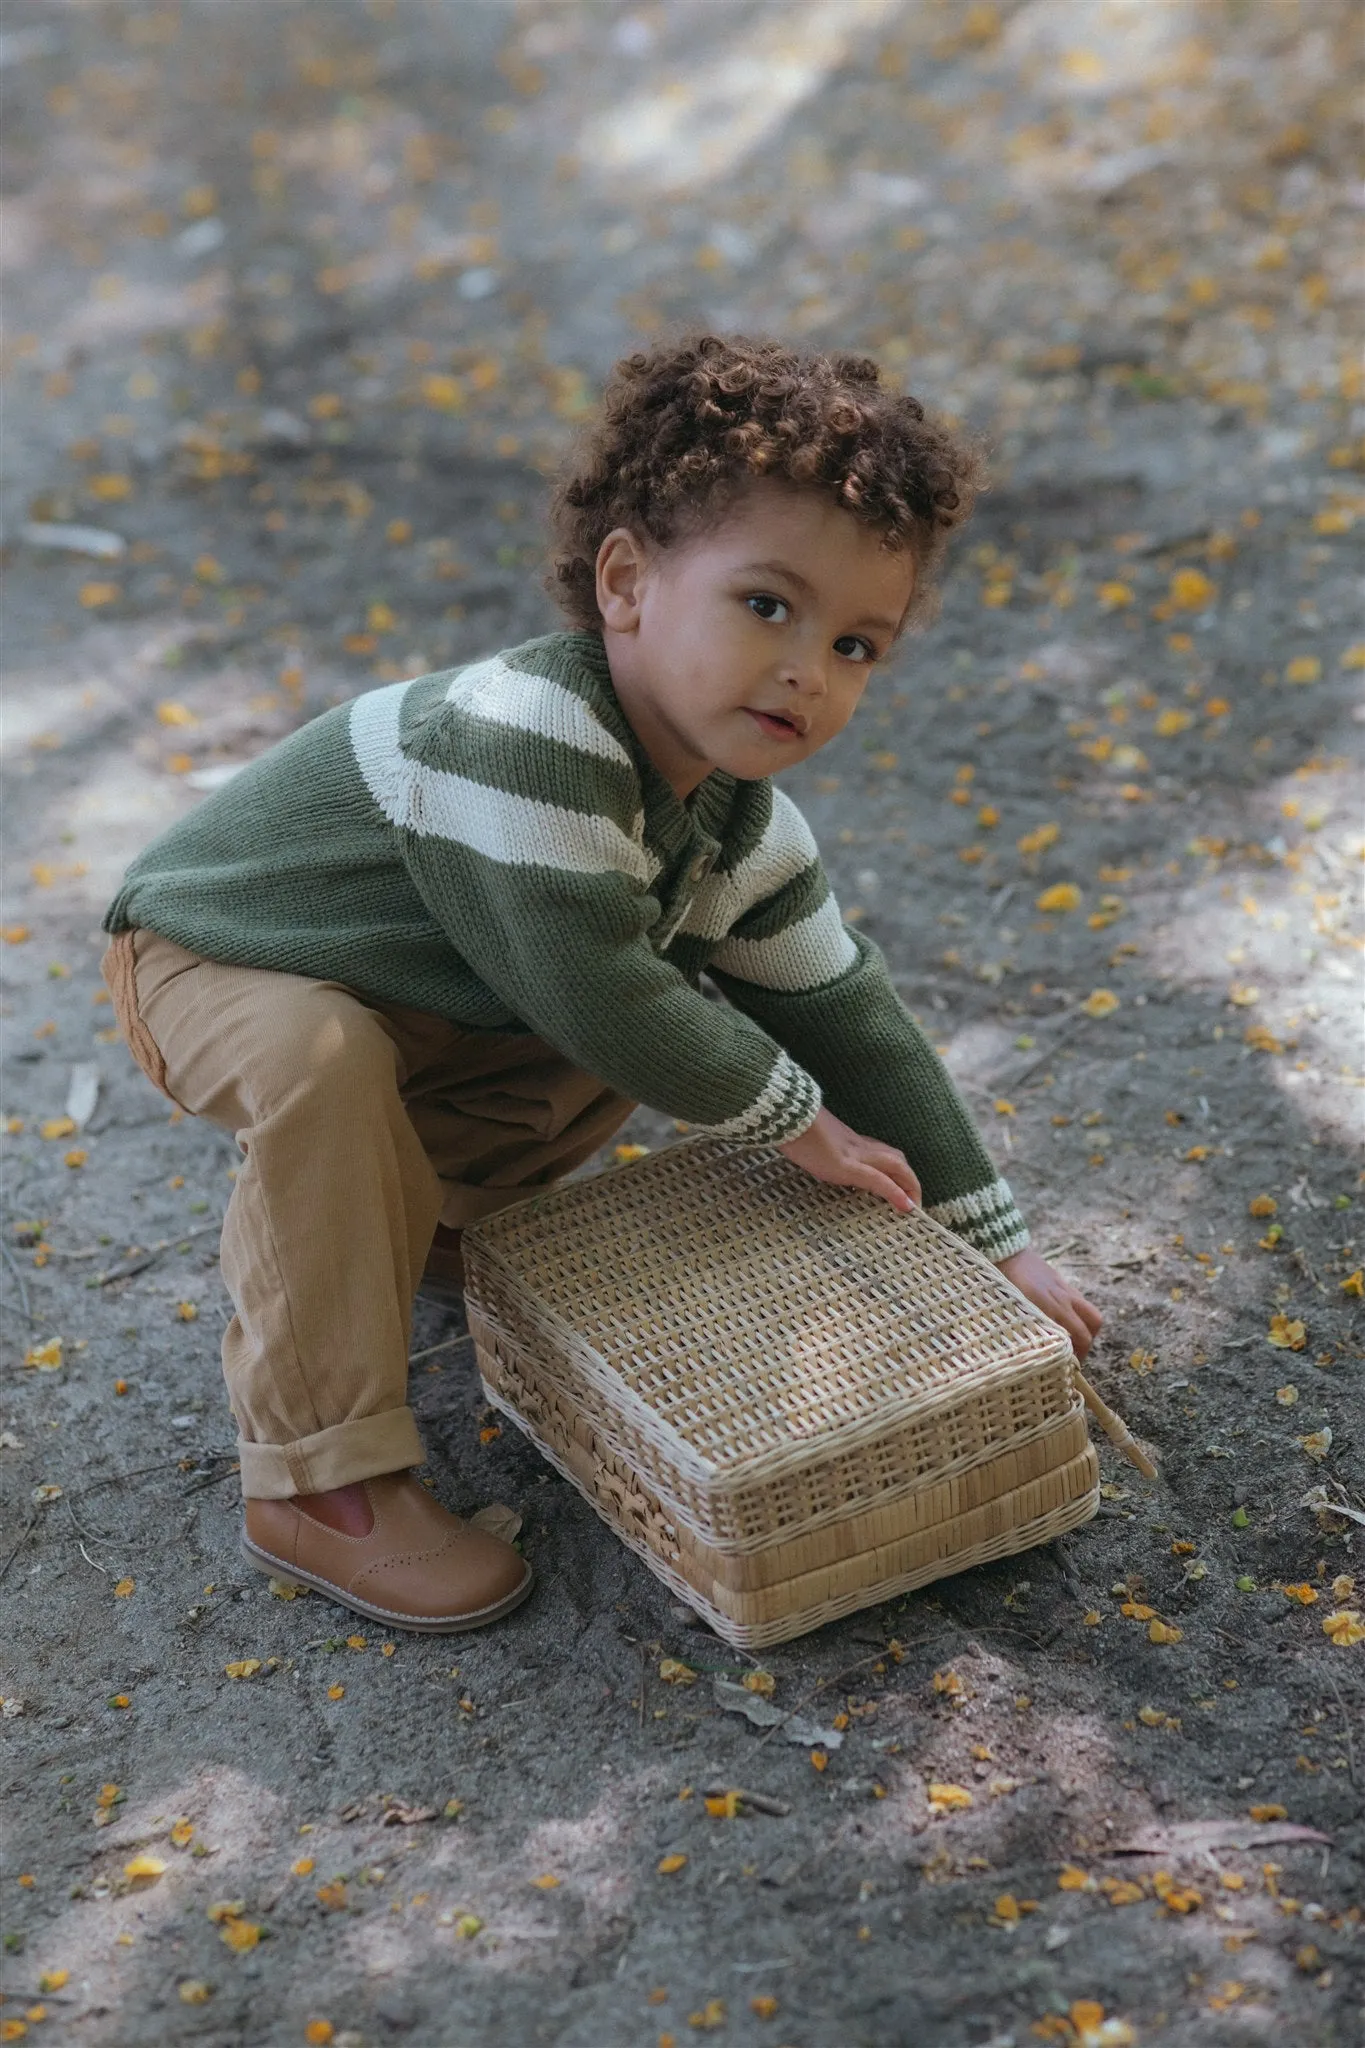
x,y
830,1151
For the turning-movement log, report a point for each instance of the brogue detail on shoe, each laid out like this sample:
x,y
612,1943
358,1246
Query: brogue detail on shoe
x,y
420,1567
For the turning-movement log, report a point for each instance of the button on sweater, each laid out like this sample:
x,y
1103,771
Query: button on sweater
x,y
493,844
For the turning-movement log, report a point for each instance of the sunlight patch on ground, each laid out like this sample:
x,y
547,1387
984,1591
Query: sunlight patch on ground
x,y
701,126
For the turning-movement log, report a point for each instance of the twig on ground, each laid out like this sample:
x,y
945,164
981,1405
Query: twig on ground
x,y
19,1279
113,1478
446,1344
89,1559
206,1479
1346,1726
24,1534
140,1263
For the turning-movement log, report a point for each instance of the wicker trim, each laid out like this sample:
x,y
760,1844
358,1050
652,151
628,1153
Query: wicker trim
x,y
1034,1513
772,1498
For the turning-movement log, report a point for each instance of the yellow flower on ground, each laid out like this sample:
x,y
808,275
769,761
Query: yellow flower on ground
x,y
1101,1002
949,1798
1345,1628
240,1935
1191,590
1286,1333
1061,896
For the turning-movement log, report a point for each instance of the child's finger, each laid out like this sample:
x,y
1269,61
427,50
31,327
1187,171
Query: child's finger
x,y
898,1168
877,1183
1088,1314
1075,1329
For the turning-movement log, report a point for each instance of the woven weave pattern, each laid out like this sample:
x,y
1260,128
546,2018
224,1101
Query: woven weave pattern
x,y
770,1387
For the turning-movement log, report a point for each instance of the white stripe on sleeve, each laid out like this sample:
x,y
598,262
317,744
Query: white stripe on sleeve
x,y
517,831
808,954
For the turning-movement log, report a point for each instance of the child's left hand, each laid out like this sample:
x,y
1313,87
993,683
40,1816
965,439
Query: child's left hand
x,y
1056,1297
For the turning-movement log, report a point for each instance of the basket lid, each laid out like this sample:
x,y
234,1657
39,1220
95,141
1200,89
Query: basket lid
x,y
728,1303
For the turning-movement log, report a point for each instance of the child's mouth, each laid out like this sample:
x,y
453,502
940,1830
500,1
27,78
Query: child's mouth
x,y
776,728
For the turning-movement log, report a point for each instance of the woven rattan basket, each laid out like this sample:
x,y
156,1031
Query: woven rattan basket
x,y
790,1401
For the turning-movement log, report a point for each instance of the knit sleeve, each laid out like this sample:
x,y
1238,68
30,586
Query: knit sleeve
x,y
823,991
518,821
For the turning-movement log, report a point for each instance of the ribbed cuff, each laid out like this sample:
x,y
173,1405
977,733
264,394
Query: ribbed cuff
x,y
333,1457
788,1104
988,1218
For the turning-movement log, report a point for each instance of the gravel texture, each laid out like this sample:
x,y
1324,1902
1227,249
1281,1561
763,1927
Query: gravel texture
x,y
303,303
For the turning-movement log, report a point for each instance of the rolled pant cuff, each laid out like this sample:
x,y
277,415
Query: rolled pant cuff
x,y
361,1449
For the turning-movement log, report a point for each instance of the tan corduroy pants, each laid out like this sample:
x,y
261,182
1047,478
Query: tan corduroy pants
x,y
363,1125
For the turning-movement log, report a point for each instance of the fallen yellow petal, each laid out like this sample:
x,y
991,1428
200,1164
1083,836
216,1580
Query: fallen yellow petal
x,y
145,1869
240,1935
1345,1628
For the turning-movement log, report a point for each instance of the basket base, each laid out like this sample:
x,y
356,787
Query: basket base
x,y
1032,1513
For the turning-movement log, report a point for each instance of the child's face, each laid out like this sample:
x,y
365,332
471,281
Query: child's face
x,y
747,648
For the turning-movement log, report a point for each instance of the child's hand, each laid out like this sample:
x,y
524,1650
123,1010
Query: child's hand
x,y
1056,1297
830,1151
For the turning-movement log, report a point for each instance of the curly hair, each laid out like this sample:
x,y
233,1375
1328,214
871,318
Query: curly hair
x,y
687,425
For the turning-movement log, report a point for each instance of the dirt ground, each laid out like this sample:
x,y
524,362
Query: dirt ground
x,y
302,302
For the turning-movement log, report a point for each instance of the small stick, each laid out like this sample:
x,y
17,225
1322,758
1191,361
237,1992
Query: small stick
x,y
1114,1427
147,1258
445,1345
19,1279
24,1534
1346,1726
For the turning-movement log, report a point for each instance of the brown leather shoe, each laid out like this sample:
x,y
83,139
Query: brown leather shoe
x,y
443,1276
420,1567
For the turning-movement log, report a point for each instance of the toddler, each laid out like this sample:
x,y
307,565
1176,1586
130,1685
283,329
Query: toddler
x,y
427,953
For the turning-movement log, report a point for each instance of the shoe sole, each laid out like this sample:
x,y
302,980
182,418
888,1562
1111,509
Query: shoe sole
x,y
433,1625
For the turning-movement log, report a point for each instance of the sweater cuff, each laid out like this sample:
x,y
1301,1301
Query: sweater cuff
x,y
988,1218
789,1104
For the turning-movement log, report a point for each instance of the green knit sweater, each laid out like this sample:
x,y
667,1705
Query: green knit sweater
x,y
494,845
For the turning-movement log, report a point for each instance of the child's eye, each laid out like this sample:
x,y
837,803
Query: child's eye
x,y
854,648
765,598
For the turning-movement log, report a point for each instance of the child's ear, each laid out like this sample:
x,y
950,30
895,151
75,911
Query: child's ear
x,y
620,580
